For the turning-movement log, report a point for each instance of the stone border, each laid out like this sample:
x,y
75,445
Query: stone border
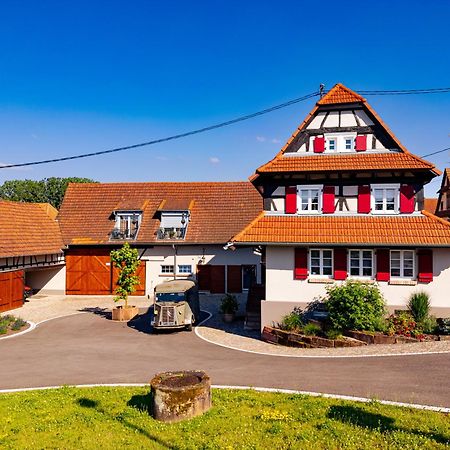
x,y
31,327
441,409
303,353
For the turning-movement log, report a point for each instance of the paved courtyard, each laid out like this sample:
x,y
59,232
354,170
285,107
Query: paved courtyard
x,y
90,348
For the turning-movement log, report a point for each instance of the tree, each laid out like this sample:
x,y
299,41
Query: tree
x,y
126,260
49,190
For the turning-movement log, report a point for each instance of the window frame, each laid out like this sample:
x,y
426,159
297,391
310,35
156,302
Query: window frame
x,y
402,265
321,266
309,188
183,272
361,265
127,215
164,272
384,187
340,139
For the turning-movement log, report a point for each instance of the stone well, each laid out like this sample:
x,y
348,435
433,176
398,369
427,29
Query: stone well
x,y
180,395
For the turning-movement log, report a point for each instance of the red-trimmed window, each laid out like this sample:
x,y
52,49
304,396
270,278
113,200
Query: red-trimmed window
x,y
301,264
328,200
425,273
402,264
361,263
340,263
361,143
321,262
407,199
364,199
310,199
291,200
383,267
319,144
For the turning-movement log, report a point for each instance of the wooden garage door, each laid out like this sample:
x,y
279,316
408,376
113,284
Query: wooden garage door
x,y
204,277
11,290
140,288
234,279
217,279
88,272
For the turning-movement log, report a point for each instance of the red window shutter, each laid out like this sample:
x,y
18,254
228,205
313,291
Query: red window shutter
x,y
361,143
301,264
291,200
340,263
383,265
328,200
425,266
319,144
364,199
407,199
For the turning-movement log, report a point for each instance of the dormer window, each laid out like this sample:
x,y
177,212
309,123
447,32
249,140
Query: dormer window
x,y
173,224
348,143
385,198
340,142
126,224
332,145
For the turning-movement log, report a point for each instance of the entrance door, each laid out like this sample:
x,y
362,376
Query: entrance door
x,y
248,276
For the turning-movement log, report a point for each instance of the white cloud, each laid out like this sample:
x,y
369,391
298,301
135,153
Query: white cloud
x,y
162,158
260,138
214,160
275,141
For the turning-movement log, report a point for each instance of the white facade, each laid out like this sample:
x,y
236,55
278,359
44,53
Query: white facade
x,y
283,292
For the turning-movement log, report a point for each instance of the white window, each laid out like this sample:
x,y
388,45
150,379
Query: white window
x,y
340,142
309,199
361,263
185,268
349,143
126,224
385,198
321,262
167,269
402,263
331,144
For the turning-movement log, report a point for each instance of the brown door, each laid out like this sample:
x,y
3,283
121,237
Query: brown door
x,y
217,279
204,277
234,279
140,288
11,290
88,272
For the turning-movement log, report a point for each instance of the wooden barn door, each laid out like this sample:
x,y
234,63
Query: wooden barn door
x,y
11,290
88,272
204,277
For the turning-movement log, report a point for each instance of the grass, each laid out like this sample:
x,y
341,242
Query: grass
x,y
107,418
10,323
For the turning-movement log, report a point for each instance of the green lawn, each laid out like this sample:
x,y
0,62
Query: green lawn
x,y
106,418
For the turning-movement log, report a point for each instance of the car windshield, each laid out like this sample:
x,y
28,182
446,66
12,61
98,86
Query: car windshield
x,y
172,297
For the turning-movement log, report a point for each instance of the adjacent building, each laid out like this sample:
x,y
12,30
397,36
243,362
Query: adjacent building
x,y
345,199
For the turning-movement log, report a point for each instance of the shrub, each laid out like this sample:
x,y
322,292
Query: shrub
x,y
18,324
311,329
333,334
428,325
229,304
292,321
402,324
3,328
419,306
354,305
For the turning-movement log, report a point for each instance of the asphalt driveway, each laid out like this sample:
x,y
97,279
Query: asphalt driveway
x,y
89,348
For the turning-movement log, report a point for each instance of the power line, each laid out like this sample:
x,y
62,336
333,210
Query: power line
x,y
229,122
169,138
436,152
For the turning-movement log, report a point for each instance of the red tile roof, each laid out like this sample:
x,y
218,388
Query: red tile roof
x,y
345,162
340,94
430,205
219,210
28,229
417,230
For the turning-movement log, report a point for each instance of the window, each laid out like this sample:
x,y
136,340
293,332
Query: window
x,y
340,142
385,199
348,142
309,199
167,269
185,268
321,262
173,225
126,224
331,144
361,263
402,263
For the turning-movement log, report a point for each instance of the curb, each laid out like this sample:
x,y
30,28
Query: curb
x,y
21,333
440,409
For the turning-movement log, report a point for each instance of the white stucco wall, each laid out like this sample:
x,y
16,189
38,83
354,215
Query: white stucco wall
x,y
281,286
48,280
193,254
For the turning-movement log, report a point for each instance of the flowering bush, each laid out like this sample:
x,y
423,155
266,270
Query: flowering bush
x,y
401,324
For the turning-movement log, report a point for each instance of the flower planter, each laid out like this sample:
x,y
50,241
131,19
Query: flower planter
x,y
122,314
228,317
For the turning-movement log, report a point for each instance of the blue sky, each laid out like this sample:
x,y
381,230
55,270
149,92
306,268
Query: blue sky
x,y
84,76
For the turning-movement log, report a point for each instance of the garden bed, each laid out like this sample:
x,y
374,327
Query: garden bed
x,y
292,339
10,325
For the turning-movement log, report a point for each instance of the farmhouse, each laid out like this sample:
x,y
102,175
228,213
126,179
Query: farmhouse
x,y
179,229
344,198
30,251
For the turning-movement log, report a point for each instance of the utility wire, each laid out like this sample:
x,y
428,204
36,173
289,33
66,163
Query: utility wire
x,y
169,138
229,122
436,152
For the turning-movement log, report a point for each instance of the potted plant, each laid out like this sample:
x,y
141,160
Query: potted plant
x,y
126,261
228,307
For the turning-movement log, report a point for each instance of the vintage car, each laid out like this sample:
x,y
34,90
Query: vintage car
x,y
176,305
